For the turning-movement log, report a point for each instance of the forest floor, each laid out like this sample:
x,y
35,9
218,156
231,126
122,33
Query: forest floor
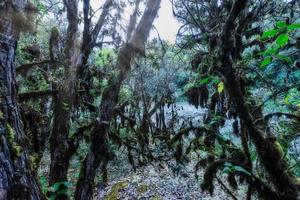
x,y
157,181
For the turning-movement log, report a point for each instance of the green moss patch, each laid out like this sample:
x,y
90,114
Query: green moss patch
x,y
113,195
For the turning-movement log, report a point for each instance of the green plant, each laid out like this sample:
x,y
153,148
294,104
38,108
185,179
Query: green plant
x,y
281,34
230,168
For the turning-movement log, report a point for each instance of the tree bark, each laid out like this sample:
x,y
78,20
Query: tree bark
x,y
16,179
64,101
99,151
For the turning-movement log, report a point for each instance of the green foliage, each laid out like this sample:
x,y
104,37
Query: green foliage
x,y
282,34
65,106
266,62
125,94
282,39
57,189
230,168
44,184
269,34
293,97
105,57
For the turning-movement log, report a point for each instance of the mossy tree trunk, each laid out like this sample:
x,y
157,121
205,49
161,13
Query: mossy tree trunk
x,y
16,178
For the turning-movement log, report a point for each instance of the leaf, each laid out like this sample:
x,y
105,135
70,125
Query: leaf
x,y
282,39
284,58
220,87
293,26
281,24
265,62
268,34
57,185
241,169
52,197
228,164
287,99
270,51
44,184
227,170
205,80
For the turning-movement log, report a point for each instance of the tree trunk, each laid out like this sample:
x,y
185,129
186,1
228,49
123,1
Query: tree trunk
x,y
99,151
76,58
63,104
16,179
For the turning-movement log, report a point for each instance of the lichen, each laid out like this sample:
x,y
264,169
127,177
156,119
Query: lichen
x,y
113,195
142,188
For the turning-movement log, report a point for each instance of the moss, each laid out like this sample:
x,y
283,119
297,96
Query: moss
x,y
142,188
34,161
113,195
16,150
156,198
1,115
10,134
54,32
279,148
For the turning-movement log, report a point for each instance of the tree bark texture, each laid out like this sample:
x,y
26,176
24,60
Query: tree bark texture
x,y
16,179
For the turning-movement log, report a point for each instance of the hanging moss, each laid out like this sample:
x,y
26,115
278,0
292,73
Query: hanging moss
x,y
198,96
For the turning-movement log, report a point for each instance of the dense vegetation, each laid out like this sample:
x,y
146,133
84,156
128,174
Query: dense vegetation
x,y
78,85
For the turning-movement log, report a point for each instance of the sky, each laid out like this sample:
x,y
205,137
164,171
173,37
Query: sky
x,y
165,23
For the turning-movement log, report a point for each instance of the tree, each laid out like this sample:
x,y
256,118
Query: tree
x,y
61,146
16,178
98,151
221,47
